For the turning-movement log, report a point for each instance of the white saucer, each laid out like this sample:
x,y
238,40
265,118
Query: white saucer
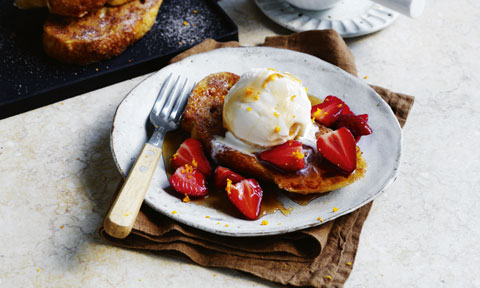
x,y
349,18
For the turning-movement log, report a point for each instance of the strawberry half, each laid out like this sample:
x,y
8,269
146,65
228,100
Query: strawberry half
x,y
246,195
327,112
345,110
339,148
221,175
287,156
191,152
189,181
356,124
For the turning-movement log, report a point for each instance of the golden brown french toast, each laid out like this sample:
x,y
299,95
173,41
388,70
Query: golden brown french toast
x,y
68,7
203,119
99,35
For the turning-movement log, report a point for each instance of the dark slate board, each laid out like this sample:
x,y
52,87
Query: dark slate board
x,y
30,79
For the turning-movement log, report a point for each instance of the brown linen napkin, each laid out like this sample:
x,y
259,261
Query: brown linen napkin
x,y
322,256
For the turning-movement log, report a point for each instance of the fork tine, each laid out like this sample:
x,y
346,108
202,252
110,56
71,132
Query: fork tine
x,y
171,99
161,95
181,101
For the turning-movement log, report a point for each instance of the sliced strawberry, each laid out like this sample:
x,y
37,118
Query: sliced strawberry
x,y
191,152
287,156
246,195
189,181
356,124
339,148
345,110
327,112
364,117
221,175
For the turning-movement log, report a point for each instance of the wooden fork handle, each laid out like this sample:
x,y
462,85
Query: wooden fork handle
x,y
124,211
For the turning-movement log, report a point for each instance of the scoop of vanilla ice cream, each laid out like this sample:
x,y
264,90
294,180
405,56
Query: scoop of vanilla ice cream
x,y
267,108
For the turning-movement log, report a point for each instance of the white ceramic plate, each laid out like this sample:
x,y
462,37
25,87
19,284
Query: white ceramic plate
x,y
349,18
381,150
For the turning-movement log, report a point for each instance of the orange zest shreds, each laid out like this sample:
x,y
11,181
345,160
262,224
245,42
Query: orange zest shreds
x,y
256,97
207,217
264,222
298,154
195,11
174,212
271,78
249,109
186,199
313,119
334,209
339,105
229,186
349,263
276,114
293,97
277,129
63,226
185,23
194,163
328,277
320,219
96,69
249,91
189,177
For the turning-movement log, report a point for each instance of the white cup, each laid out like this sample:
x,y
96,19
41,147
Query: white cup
x,y
313,4
411,8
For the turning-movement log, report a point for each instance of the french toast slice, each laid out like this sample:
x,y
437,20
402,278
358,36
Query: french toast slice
x,y
68,7
203,119
101,34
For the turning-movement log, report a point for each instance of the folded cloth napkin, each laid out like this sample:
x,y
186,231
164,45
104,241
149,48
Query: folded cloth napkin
x,y
322,256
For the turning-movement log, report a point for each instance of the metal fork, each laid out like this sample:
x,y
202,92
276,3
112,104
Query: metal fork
x,y
164,116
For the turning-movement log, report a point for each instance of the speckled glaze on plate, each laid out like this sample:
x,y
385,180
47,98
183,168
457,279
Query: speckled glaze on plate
x,y
349,18
381,150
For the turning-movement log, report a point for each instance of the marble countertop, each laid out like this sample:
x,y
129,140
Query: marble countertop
x,y
57,176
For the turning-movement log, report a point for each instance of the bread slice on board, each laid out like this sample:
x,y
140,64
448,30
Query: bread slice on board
x,y
75,8
101,34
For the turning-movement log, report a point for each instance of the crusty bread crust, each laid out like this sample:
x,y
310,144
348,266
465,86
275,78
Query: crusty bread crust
x,y
203,119
68,7
100,35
